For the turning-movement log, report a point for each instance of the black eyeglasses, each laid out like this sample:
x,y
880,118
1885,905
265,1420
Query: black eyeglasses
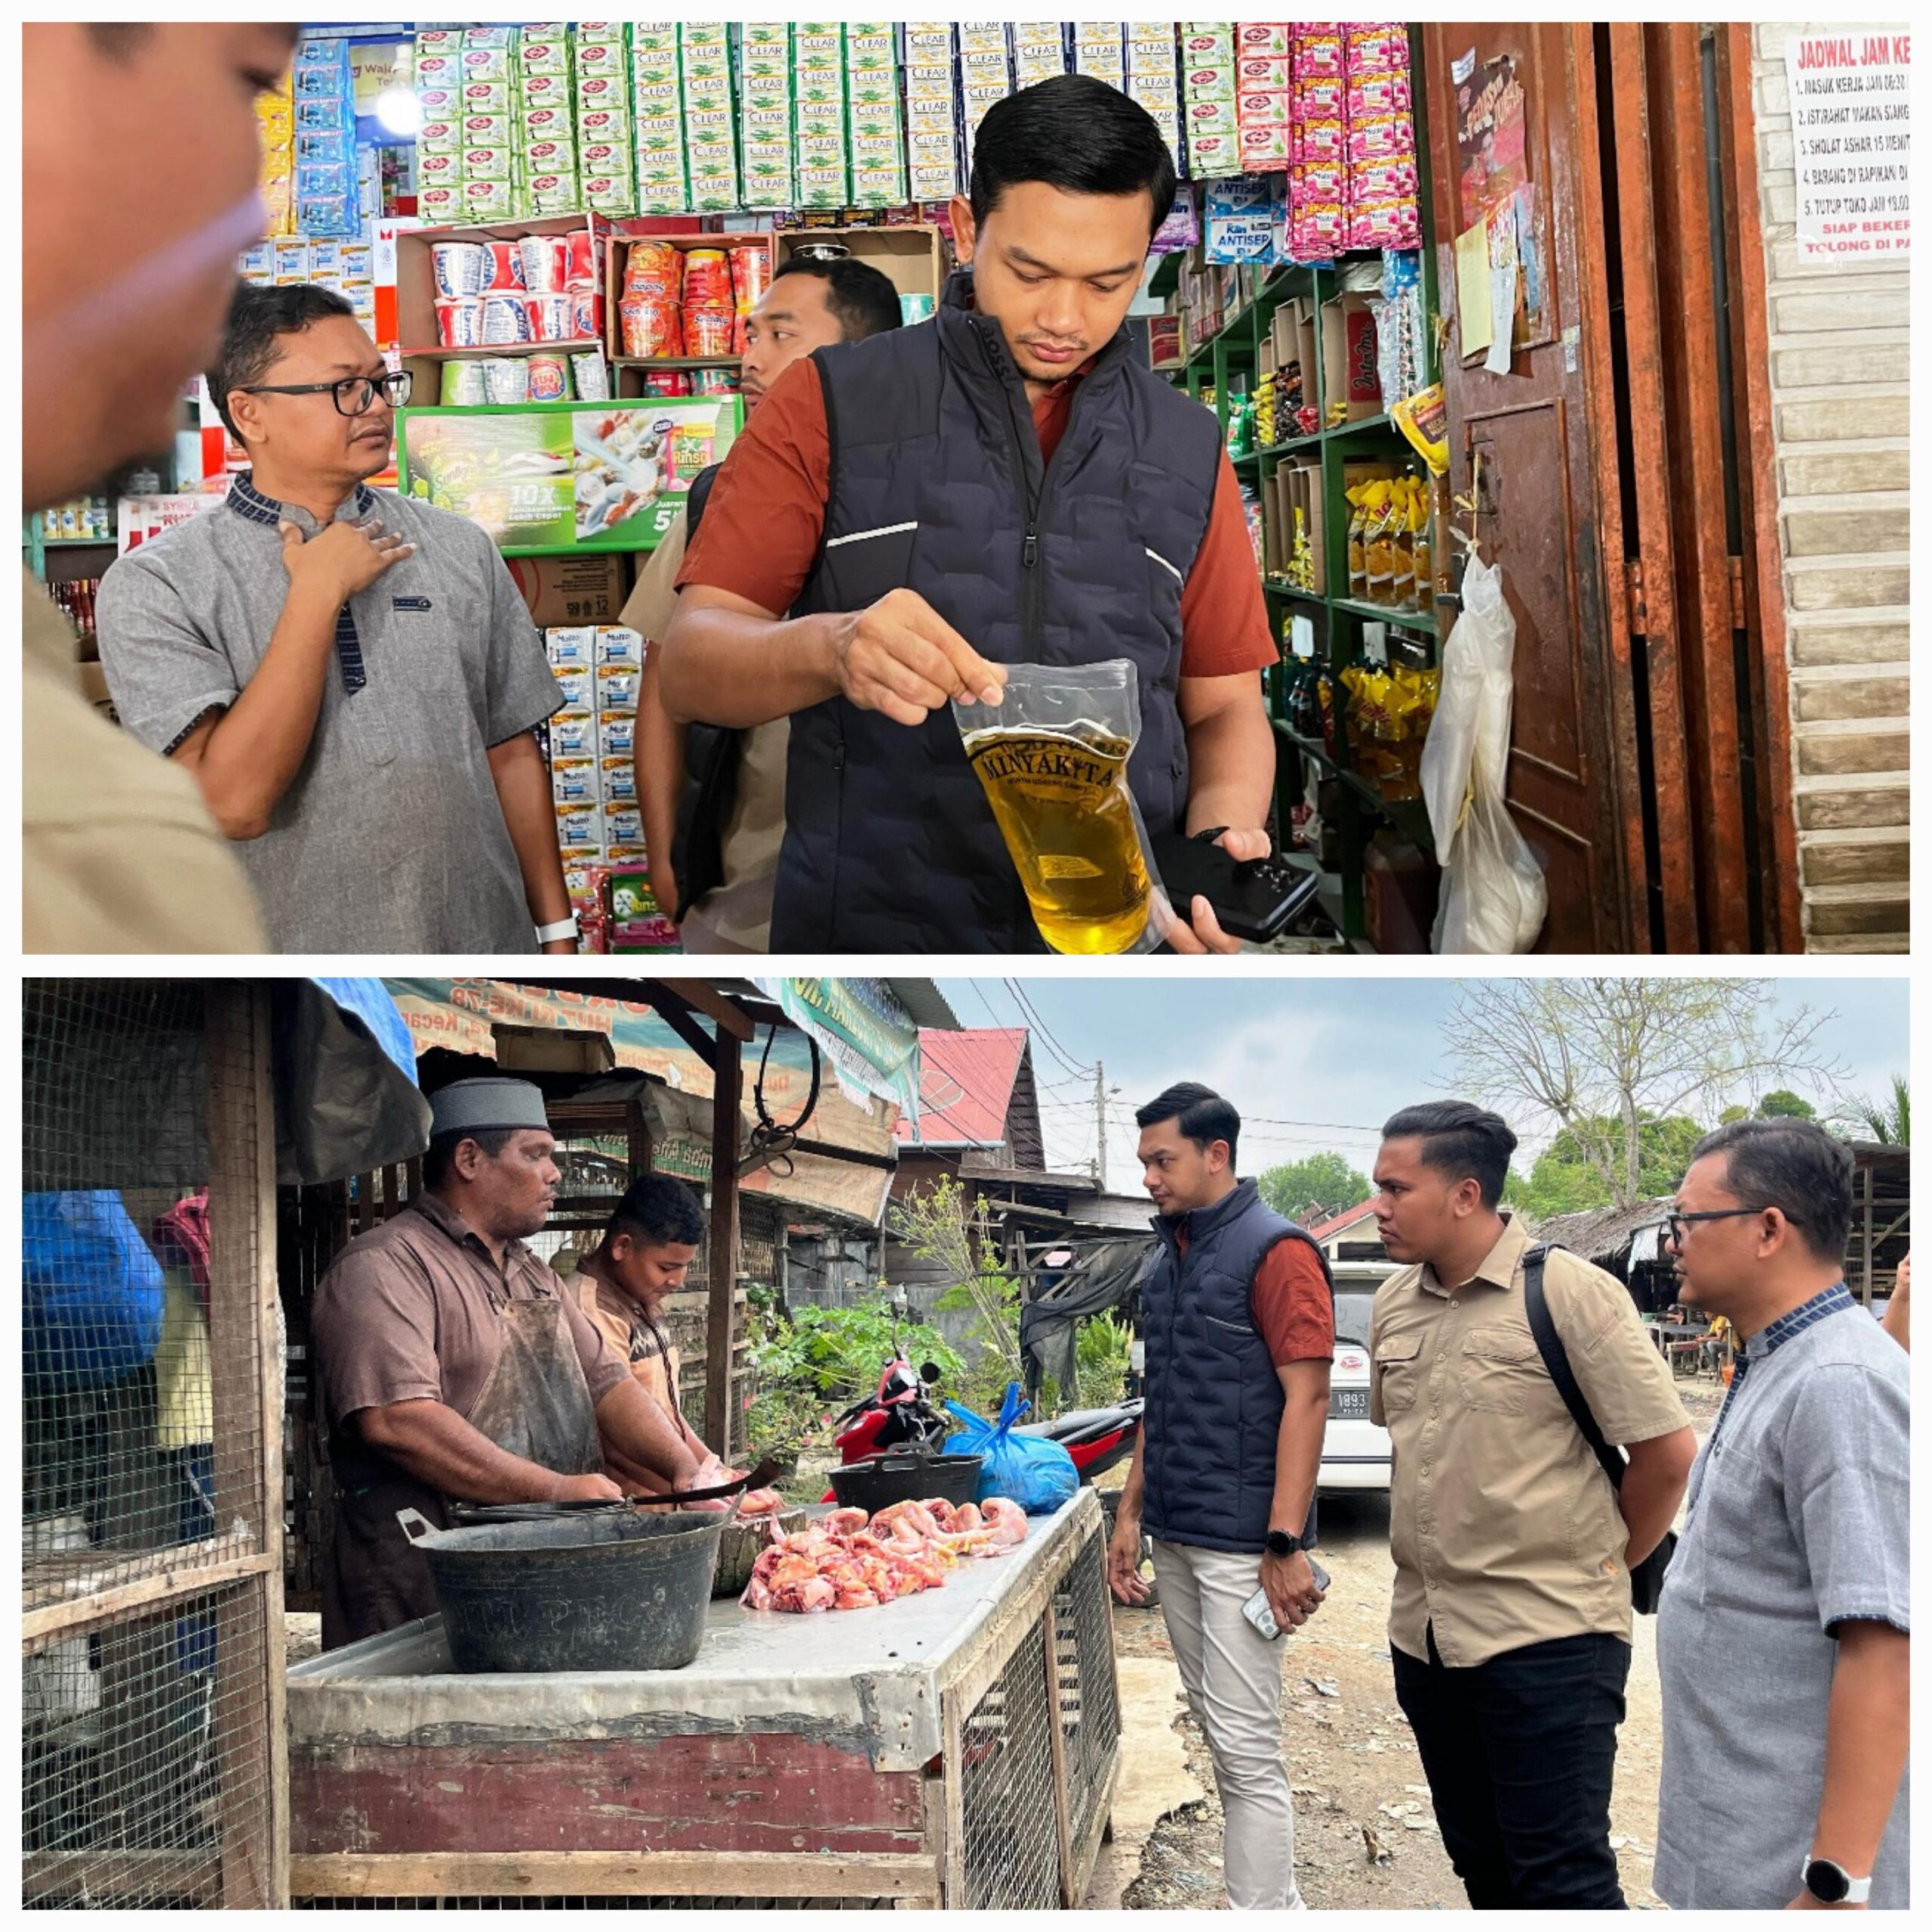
x,y
354,396
1674,1224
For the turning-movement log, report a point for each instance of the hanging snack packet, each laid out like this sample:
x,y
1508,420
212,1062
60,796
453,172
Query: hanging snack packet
x,y
1424,418
1053,758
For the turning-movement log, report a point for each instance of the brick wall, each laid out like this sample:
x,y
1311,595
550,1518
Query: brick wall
x,y
1841,405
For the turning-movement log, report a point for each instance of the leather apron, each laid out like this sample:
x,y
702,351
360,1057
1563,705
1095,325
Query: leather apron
x,y
536,1404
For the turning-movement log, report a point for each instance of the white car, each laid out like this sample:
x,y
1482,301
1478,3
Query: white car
x,y
1355,1451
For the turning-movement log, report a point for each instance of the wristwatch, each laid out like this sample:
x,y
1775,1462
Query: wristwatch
x,y
1830,1883
1281,1543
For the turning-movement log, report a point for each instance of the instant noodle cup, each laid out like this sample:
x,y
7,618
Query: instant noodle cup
x,y
505,266
707,279
462,385
546,259
586,315
655,270
651,329
507,319
460,322
551,317
548,378
590,377
709,331
460,268
751,276
582,260
506,379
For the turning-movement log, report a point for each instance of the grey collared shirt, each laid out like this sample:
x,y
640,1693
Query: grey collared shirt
x,y
1797,1521
391,838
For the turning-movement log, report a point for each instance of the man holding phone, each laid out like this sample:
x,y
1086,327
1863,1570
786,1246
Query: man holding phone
x,y
1237,1316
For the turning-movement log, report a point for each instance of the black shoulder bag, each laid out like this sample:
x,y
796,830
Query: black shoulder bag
x,y
1647,1579
711,756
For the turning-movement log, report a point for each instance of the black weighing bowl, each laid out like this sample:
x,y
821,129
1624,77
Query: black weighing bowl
x,y
900,1476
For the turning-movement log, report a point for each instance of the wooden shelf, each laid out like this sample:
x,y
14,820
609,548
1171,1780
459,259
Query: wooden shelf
x,y
670,362
72,543
1383,613
576,347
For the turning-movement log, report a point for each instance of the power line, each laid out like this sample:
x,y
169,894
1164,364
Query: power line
x,y
1079,1070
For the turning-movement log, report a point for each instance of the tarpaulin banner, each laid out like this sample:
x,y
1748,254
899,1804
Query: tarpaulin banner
x,y
867,1036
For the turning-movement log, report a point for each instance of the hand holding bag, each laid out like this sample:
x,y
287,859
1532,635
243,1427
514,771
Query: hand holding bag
x,y
1647,1579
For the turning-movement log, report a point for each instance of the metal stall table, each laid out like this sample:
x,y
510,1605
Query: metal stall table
x,y
958,1748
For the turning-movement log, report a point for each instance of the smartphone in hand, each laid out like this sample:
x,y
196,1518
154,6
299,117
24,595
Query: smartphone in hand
x,y
1260,1612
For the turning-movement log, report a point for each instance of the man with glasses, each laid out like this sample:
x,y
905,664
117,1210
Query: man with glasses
x,y
1510,1629
350,675
1783,1635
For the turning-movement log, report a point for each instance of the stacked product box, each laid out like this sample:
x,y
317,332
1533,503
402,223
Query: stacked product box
x,y
767,152
932,111
1264,78
593,780
1318,223
1207,99
327,201
872,114
818,101
545,128
986,75
657,101
275,124
711,141
467,166
345,268
1384,208
1039,51
1244,220
606,147
1153,79
1099,49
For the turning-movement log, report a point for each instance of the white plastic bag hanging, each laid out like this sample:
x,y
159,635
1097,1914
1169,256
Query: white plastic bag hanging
x,y
1494,897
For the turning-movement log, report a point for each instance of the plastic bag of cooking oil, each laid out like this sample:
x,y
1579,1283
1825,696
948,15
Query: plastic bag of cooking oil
x,y
1494,896
1053,759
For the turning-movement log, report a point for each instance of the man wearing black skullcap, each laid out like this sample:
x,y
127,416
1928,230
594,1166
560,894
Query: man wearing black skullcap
x,y
454,1365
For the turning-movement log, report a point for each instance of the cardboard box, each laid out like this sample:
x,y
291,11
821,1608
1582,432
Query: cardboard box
x,y
1348,372
912,258
588,589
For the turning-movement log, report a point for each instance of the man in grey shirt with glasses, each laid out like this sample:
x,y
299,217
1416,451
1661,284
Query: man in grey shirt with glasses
x,y
350,674
1783,1643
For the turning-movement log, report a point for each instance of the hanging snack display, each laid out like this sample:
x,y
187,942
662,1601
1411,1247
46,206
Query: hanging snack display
x,y
326,201
1052,757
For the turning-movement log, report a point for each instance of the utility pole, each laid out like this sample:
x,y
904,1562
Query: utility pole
x,y
1100,1123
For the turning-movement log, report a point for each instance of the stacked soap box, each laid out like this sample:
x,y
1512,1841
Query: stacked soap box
x,y
1153,79
593,780
986,76
605,140
1264,95
1039,51
711,143
345,268
657,104
818,100
932,111
873,122
545,126
1099,48
1207,99
469,167
767,144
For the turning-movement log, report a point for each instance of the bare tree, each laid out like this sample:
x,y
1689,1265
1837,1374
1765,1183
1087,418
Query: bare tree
x,y
1600,1057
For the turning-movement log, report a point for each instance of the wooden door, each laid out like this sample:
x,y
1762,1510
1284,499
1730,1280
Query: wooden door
x,y
1513,114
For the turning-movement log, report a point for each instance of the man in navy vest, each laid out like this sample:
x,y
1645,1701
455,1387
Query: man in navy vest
x,y
1238,1314
1008,485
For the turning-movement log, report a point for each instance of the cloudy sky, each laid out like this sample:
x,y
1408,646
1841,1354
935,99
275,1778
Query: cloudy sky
x,y
1312,1063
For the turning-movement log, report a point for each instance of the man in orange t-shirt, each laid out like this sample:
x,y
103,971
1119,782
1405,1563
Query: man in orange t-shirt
x,y
1065,506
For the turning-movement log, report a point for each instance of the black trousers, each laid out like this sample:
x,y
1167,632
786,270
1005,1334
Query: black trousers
x,y
1519,1753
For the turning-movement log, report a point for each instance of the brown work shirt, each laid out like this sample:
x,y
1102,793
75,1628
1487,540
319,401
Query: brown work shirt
x,y
1504,1528
408,1312
617,1318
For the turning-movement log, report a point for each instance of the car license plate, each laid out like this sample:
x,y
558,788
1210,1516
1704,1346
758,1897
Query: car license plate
x,y
1349,1405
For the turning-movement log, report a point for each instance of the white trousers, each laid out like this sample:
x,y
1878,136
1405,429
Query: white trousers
x,y
1232,1677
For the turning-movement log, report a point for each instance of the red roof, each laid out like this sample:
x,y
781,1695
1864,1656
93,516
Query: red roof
x,y
1335,1223
965,1086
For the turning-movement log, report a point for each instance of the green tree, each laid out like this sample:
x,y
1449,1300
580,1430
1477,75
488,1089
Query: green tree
x,y
1889,1122
1603,1057
1321,1185
1783,1104
1564,1180
934,1223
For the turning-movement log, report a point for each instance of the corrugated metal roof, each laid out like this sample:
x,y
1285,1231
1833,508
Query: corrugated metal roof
x,y
1335,1223
966,1082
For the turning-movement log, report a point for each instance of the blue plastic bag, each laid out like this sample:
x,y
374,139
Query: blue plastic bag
x,y
1037,1475
90,1291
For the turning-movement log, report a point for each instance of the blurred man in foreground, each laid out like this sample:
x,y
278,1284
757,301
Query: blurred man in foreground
x,y
128,267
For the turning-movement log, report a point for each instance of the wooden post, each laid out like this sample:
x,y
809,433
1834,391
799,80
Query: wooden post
x,y
1062,1795
245,1343
1869,1171
721,1260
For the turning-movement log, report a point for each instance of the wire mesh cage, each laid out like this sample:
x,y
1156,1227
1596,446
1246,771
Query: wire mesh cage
x,y
1012,1856
150,1533
1084,1672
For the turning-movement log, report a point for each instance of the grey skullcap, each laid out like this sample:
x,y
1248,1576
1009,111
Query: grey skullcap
x,y
475,1106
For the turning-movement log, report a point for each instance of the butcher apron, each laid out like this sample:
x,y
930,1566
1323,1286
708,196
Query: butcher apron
x,y
536,1404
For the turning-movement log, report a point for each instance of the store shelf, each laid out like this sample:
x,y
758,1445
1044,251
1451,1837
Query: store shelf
x,y
1246,461
576,347
72,543
1293,444
1282,587
1382,613
1309,747
1364,426
1168,365
670,362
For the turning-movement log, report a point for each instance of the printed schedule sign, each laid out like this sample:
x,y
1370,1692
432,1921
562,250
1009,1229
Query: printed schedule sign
x,y
1851,133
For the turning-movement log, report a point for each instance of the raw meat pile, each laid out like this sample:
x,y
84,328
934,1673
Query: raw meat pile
x,y
848,1561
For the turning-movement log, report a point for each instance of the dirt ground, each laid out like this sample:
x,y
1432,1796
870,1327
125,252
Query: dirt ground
x,y
1364,1834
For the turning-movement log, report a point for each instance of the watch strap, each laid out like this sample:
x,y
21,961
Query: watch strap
x,y
564,928
1858,1891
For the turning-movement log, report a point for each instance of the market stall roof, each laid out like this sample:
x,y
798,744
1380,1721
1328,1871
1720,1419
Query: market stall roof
x,y
662,1031
970,1081
1332,1224
1608,1234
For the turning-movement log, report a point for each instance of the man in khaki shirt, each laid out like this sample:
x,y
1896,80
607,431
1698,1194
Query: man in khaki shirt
x,y
1511,1625
126,271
